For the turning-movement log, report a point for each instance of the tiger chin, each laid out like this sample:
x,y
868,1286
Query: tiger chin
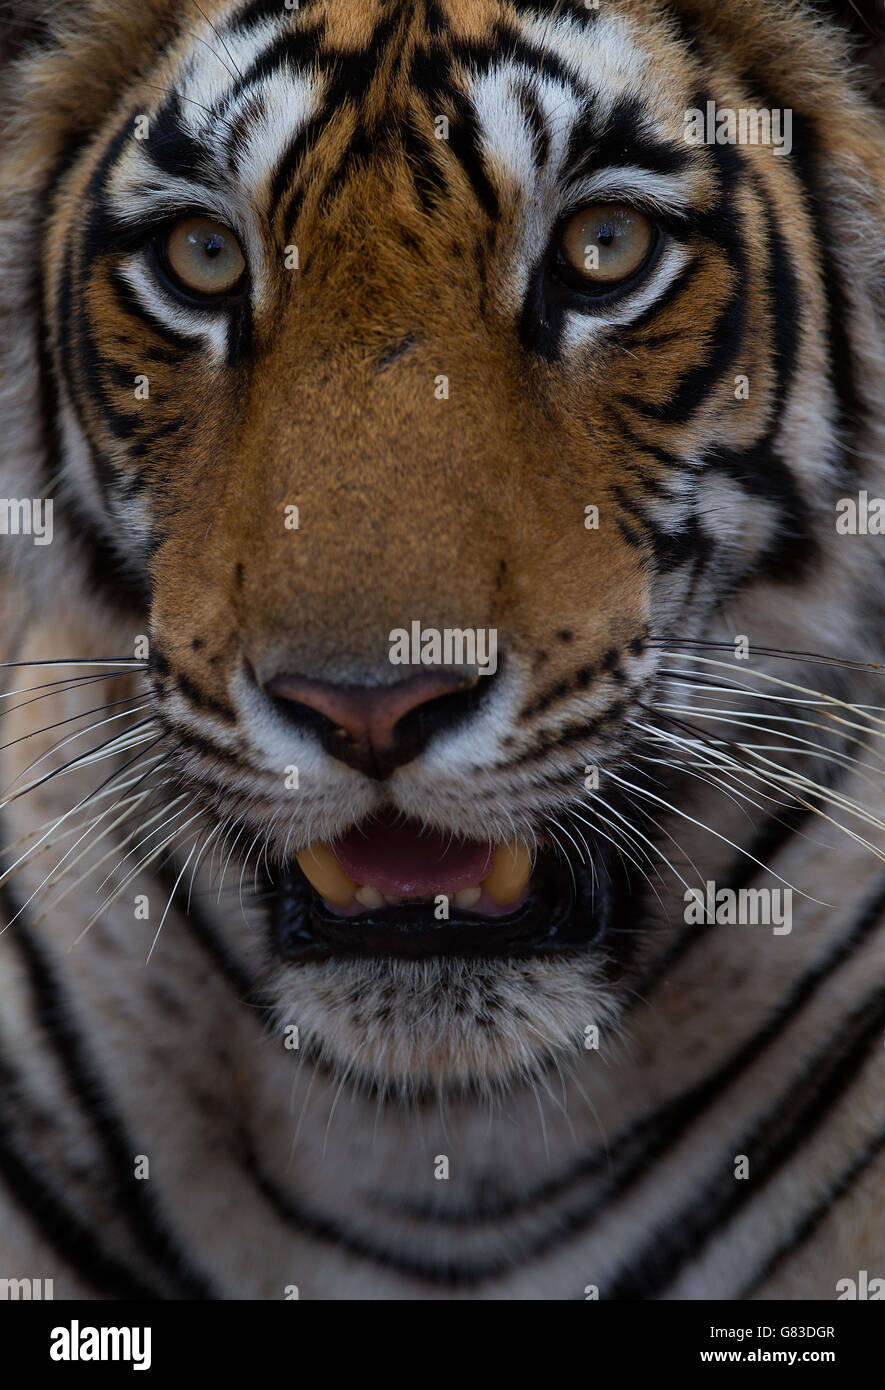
x,y
441,588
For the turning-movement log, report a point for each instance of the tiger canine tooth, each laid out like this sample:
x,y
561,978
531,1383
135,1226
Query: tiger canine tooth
x,y
369,896
468,897
509,874
325,874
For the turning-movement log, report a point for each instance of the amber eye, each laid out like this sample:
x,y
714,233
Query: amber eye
x,y
604,244
204,256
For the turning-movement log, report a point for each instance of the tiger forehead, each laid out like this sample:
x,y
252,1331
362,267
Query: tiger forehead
x,y
383,53
260,99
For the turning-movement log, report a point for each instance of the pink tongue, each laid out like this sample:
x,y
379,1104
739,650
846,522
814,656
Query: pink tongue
x,y
403,860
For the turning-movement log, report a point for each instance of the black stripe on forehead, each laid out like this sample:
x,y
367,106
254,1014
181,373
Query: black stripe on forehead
x,y
303,48
619,137
298,51
349,74
434,64
175,149
264,11
543,9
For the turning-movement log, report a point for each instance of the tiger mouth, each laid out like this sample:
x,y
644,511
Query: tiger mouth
x,y
397,888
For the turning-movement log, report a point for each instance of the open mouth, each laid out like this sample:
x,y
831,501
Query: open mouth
x,y
393,887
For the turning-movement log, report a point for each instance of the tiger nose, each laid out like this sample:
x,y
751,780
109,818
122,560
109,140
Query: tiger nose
x,y
375,729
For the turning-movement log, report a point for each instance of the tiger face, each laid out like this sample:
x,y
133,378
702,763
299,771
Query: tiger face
x,y
418,380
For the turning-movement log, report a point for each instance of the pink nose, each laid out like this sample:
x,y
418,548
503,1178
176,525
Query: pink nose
x,y
375,729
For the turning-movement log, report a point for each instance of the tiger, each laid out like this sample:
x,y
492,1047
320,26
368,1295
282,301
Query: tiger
x,y
442,786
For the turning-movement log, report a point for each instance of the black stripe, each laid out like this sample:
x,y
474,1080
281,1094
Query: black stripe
x,y
788,1123
622,1162
433,66
565,1226
663,456
813,1218
351,76
464,143
536,122
542,9
130,305
297,51
47,1210
257,12
760,469
73,1054
687,544
726,334
425,167
625,1158
677,286
301,146
108,570
174,150
445,1271
772,836
837,338
76,347
623,135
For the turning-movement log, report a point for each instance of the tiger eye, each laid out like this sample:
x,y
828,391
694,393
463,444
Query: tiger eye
x,y
205,256
606,243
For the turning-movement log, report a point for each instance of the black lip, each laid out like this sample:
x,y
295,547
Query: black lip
x,y
570,908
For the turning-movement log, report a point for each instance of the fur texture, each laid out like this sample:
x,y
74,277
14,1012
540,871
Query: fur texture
x,y
419,261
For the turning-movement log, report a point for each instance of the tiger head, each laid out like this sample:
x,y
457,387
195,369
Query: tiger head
x,y
419,377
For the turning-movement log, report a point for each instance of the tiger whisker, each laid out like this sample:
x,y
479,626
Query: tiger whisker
x,y
83,714
835,719
53,821
94,867
642,792
661,830
46,879
79,733
779,653
245,863
234,843
219,37
135,662
775,680
108,749
790,776
51,688
148,859
711,742
166,807
84,802
550,823
206,845
618,846
171,898
780,777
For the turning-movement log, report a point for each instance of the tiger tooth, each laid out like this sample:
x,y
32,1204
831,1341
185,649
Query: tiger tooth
x,y
468,897
325,874
369,896
509,874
